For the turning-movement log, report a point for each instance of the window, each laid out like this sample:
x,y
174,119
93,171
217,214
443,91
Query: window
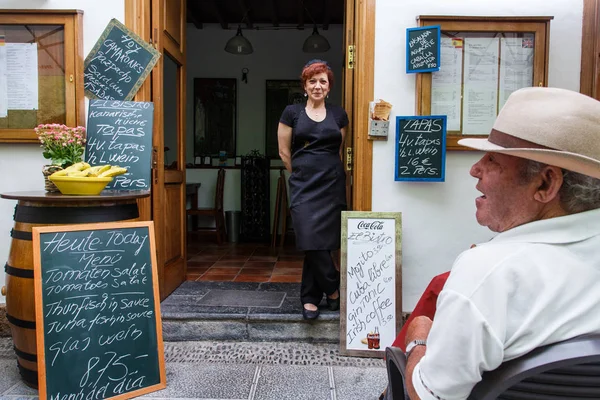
x,y
41,71
215,116
483,60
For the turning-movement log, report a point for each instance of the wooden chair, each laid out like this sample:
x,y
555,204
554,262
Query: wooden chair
x,y
281,208
215,212
564,370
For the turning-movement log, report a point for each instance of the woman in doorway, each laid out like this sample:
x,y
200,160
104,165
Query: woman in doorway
x,y
311,138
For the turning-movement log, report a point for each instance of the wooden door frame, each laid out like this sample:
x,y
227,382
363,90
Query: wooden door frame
x,y
174,270
137,18
364,82
348,98
589,81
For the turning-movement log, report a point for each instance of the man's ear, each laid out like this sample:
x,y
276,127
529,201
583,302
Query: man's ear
x,y
551,179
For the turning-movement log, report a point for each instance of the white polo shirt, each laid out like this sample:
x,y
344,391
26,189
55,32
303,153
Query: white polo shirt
x,y
532,285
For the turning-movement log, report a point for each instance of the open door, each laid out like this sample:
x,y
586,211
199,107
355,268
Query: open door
x,y
347,94
162,23
168,173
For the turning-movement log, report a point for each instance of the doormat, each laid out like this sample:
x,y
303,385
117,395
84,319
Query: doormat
x,y
242,298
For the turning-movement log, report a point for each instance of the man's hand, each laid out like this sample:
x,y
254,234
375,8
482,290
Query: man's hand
x,y
417,330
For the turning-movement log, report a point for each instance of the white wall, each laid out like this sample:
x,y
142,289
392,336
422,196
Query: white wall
x,y
277,55
22,163
438,218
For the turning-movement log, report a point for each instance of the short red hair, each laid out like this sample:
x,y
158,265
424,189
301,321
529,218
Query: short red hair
x,y
315,67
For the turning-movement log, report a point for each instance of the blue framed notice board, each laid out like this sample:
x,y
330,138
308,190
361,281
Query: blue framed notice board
x,y
420,148
423,49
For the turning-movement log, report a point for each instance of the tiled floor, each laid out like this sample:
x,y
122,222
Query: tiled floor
x,y
243,262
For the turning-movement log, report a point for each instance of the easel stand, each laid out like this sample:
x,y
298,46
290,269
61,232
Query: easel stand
x,y
281,207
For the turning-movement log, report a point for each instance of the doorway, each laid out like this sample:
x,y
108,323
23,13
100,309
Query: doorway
x,y
168,200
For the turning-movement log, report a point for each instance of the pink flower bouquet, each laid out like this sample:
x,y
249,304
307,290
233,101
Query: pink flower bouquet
x,y
62,144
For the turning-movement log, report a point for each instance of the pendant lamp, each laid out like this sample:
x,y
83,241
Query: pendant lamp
x,y
315,43
239,44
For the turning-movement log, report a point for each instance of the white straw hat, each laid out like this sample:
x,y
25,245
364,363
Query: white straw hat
x,y
553,126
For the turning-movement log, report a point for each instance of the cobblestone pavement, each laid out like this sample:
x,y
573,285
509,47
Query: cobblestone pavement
x,y
244,370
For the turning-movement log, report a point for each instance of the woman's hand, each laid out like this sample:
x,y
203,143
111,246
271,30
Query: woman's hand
x,y
284,139
343,130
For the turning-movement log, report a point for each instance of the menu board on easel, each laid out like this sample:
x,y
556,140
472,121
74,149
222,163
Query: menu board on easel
x,y
99,332
370,282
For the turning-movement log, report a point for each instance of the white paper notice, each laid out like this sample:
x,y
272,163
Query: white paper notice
x,y
22,75
481,85
446,83
516,66
3,82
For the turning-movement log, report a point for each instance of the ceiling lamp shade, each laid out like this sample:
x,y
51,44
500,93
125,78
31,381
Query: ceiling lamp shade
x,y
315,43
239,44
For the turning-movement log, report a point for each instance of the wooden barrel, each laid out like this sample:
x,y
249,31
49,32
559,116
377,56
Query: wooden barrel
x,y
20,305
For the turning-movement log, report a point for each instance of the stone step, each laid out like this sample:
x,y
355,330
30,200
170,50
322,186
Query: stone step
x,y
244,311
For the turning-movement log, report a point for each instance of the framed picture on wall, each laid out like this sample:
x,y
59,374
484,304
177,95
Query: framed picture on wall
x,y
279,94
215,116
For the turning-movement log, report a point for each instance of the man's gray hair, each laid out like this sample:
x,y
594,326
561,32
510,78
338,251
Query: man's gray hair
x,y
578,192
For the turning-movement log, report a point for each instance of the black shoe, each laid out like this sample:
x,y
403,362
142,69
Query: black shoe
x,y
334,304
309,314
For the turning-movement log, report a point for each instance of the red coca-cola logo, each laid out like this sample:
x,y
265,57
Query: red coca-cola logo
x,y
370,225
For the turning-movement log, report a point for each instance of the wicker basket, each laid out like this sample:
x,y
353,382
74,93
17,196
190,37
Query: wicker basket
x,y
48,170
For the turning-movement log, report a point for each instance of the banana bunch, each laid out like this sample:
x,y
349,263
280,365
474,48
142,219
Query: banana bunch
x,y
83,169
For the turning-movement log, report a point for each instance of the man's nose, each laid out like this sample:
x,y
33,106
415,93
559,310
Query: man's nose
x,y
475,169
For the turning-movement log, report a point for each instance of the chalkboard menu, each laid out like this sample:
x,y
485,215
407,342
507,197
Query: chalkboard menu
x,y
423,49
118,64
120,133
421,148
371,282
97,311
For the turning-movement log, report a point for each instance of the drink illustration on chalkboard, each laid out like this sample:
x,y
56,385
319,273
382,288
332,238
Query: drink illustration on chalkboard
x,y
373,339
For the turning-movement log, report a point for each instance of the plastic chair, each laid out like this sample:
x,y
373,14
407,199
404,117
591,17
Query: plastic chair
x,y
563,370
216,212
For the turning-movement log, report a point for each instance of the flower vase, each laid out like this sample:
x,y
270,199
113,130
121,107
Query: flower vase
x,y
48,170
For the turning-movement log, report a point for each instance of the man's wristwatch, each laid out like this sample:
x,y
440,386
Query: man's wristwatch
x,y
413,344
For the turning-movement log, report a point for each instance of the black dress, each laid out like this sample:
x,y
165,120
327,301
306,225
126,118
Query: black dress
x,y
318,180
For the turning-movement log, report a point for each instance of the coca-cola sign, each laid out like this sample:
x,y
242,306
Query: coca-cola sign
x,y
378,225
370,293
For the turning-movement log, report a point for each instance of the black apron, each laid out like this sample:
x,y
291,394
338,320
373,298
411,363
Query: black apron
x,y
317,183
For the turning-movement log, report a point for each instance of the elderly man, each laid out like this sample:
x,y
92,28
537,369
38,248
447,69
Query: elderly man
x,y
538,281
